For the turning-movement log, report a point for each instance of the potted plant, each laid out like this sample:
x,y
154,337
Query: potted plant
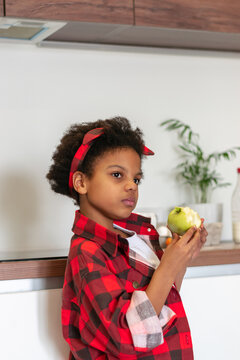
x,y
196,168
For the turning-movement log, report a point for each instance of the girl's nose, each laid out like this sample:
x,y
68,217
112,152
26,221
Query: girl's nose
x,y
131,185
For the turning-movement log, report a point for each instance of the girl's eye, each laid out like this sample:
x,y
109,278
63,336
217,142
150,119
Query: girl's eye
x,y
137,181
116,175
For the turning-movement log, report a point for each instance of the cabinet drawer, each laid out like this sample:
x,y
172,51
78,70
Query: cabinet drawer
x,y
111,11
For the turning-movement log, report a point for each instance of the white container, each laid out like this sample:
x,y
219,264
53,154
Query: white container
x,y
212,214
235,204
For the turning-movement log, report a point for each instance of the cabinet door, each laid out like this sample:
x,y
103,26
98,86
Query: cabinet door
x,y
109,11
210,15
1,8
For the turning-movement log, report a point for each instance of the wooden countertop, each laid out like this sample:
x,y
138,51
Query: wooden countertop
x,y
224,253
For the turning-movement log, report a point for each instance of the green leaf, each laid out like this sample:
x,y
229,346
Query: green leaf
x,y
173,126
226,155
184,130
185,149
169,121
182,164
190,136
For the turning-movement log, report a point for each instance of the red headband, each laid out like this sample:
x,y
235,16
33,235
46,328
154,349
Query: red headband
x,y
83,149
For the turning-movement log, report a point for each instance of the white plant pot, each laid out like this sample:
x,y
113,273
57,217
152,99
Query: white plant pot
x,y
212,215
209,211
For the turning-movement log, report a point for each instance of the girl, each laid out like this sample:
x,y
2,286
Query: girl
x,y
121,291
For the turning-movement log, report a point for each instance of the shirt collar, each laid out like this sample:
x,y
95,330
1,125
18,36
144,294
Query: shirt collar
x,y
91,230
108,240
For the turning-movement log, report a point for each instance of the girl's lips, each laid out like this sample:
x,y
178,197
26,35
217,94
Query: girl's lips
x,y
129,202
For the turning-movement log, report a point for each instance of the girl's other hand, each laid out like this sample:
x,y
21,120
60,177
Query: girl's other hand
x,y
180,252
203,238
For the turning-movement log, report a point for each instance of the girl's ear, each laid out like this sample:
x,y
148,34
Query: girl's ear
x,y
79,182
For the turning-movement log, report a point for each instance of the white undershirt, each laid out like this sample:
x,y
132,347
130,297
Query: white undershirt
x,y
143,327
138,245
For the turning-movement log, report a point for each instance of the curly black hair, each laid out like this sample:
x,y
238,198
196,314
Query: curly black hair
x,y
117,133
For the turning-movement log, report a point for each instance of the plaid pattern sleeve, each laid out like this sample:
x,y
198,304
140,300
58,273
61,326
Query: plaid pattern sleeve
x,y
145,325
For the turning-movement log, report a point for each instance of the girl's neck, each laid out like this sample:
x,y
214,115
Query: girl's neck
x,y
121,233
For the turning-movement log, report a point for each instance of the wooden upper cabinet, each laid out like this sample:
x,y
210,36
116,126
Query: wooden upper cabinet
x,y
1,8
105,11
209,15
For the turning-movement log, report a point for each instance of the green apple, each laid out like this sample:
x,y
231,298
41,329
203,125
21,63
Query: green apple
x,y
180,219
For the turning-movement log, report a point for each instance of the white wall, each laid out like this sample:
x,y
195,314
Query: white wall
x,y
43,91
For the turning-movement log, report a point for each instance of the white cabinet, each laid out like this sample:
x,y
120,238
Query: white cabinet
x,y
30,326
212,306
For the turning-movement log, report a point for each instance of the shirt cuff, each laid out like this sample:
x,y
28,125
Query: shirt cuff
x,y
144,324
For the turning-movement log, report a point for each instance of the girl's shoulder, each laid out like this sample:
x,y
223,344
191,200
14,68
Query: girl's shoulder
x,y
81,245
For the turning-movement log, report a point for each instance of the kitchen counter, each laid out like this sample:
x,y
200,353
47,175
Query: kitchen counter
x,y
52,263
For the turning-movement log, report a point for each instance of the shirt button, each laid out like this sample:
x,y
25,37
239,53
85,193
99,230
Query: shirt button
x,y
135,285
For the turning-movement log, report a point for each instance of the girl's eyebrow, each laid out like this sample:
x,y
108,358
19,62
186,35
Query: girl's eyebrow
x,y
123,168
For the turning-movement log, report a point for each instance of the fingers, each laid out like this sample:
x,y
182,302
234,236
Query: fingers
x,y
175,237
198,245
174,240
188,235
200,241
197,235
204,232
204,235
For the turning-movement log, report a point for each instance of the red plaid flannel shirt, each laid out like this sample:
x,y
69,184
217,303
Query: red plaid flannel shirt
x,y
101,281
